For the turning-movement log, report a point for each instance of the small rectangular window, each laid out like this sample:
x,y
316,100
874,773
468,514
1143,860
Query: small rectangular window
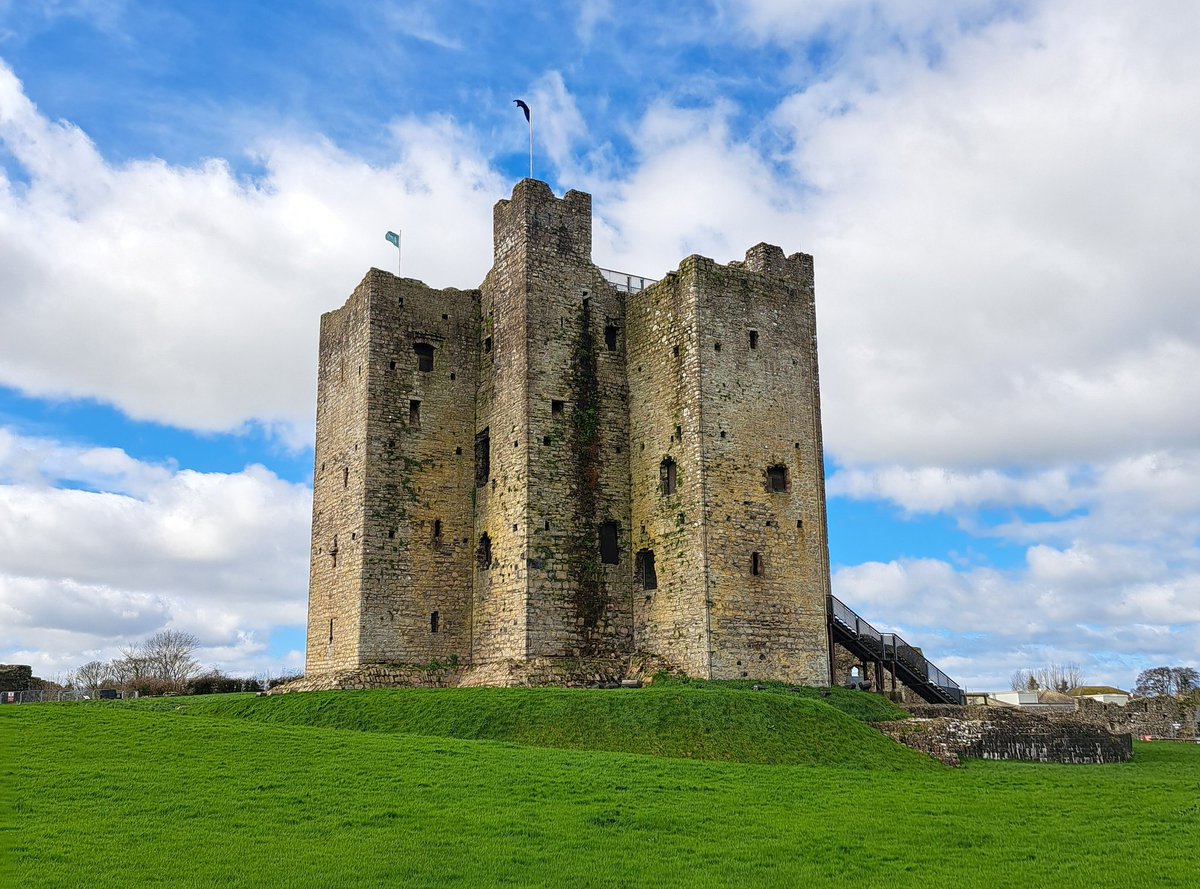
x,y
645,570
756,564
424,356
434,619
754,339
610,552
556,408
437,529
487,344
331,630
666,477
777,479
414,413
483,555
610,337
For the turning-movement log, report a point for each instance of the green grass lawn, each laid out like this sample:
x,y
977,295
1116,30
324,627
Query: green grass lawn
x,y
371,789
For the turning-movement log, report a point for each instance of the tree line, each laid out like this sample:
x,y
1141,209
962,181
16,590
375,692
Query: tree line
x,y
165,663
1154,682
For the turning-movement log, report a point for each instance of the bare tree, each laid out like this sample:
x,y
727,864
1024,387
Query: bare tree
x,y
1059,677
92,675
1022,680
168,654
1051,677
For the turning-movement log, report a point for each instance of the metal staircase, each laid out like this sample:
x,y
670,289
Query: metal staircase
x,y
889,652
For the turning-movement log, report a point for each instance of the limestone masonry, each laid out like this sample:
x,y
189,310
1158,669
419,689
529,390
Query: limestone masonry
x,y
553,475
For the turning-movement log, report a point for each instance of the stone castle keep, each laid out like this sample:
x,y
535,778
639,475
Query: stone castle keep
x,y
552,475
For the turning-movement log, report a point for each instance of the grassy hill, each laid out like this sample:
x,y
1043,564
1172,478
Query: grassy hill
x,y
209,795
713,721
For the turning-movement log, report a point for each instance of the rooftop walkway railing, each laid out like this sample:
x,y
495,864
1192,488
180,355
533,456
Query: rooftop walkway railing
x,y
626,282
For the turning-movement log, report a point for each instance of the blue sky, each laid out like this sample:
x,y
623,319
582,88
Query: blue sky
x,y
1000,197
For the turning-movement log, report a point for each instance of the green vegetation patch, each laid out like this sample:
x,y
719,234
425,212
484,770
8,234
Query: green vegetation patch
x,y
104,796
676,720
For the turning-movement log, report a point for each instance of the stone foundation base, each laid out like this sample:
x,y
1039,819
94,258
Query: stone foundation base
x,y
531,673
950,733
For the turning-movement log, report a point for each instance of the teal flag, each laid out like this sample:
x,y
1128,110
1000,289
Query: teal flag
x,y
394,238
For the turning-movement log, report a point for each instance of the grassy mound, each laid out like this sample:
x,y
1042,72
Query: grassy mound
x,y
693,721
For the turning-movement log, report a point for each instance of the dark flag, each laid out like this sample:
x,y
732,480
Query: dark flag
x,y
529,120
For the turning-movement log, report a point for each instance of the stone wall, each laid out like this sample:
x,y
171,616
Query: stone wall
x,y
339,486
671,602
417,522
15,677
950,733
1157,717
762,467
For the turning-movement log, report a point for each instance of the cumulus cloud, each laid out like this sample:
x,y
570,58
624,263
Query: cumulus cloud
x,y
1111,573
1003,228
1003,243
191,296
222,555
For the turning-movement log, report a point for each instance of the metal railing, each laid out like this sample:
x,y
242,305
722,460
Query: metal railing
x,y
889,647
626,282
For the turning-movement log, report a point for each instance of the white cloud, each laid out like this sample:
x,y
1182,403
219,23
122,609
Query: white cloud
x,y
1110,579
191,297
417,22
1003,242
221,555
557,124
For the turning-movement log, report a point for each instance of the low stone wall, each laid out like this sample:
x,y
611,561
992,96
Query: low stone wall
x,y
951,733
15,677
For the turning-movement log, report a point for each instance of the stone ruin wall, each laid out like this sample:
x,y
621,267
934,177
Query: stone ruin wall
x,y
1155,717
16,677
950,733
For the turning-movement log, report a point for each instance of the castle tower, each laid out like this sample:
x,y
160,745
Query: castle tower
x,y
727,476
549,469
390,573
551,408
